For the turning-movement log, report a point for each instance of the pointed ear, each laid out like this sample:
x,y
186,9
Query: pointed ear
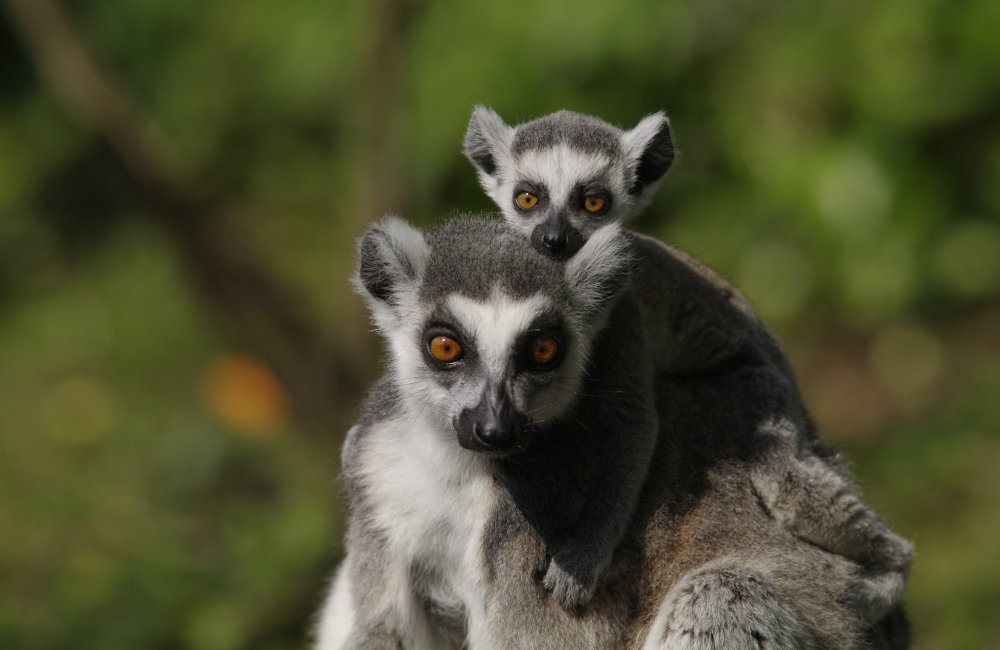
x,y
393,255
599,270
487,143
649,150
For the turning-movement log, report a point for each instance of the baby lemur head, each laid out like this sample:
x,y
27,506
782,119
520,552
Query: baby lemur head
x,y
487,337
561,177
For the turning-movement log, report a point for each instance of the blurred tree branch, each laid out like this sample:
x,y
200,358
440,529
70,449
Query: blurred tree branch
x,y
382,188
249,304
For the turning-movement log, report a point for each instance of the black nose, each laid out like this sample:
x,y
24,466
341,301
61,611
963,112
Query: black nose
x,y
493,425
493,436
556,239
555,242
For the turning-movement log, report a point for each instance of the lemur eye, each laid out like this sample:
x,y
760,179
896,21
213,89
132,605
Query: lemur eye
x,y
445,349
593,203
526,200
544,350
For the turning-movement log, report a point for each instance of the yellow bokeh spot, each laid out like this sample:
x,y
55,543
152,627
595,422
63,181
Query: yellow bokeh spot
x,y
245,395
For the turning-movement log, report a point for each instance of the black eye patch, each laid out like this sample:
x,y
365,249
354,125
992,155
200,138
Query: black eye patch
x,y
543,345
528,185
444,345
585,196
537,193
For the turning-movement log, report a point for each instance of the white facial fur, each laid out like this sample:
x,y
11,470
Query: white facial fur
x,y
494,325
492,328
497,325
559,169
591,271
391,284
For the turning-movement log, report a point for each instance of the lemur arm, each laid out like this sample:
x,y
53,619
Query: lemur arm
x,y
617,403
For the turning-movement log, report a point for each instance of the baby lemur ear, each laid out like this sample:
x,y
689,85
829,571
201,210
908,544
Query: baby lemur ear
x,y
599,270
650,152
487,143
392,256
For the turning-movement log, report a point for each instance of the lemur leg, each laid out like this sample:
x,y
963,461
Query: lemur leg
x,y
371,606
619,404
810,498
725,607
337,619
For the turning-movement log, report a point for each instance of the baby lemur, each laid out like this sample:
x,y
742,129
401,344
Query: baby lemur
x,y
561,177
497,429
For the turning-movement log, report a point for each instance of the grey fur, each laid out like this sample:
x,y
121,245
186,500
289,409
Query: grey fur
x,y
695,323
579,131
461,246
709,554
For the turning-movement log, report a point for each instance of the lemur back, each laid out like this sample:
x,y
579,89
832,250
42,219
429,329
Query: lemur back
x,y
563,176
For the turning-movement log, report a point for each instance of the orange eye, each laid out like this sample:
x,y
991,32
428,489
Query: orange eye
x,y
593,204
526,200
544,350
445,349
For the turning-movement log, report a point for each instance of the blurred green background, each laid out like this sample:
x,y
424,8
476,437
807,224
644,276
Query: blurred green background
x,y
181,183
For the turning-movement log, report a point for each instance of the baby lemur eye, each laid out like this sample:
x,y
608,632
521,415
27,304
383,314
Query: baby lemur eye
x,y
526,200
593,203
445,349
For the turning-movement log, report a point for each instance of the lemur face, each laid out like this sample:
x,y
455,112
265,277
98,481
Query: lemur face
x,y
561,177
495,367
558,196
487,338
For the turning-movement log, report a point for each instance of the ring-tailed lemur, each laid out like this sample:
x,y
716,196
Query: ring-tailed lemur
x,y
479,449
561,177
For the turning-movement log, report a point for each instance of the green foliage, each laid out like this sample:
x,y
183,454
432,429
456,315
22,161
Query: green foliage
x,y
839,162
937,484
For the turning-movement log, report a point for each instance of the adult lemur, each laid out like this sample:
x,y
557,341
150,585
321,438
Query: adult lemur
x,y
479,452
560,178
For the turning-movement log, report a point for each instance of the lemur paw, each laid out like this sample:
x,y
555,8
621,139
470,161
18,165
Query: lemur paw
x,y
569,591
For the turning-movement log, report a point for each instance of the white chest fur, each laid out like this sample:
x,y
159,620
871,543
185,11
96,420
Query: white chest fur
x,y
431,499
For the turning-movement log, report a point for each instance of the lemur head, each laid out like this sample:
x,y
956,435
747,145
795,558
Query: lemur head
x,y
561,177
486,336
